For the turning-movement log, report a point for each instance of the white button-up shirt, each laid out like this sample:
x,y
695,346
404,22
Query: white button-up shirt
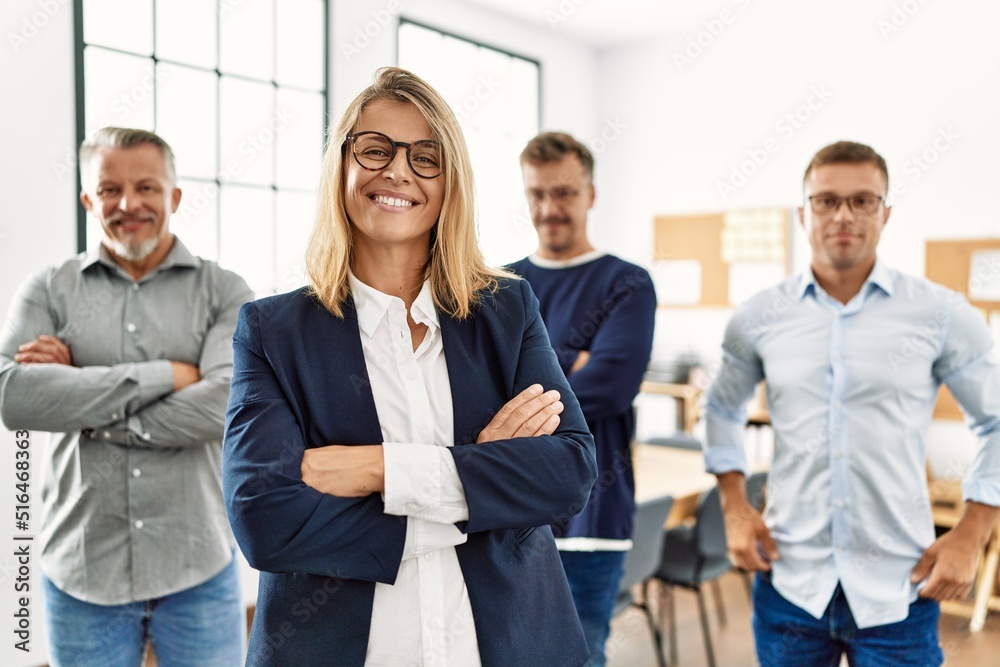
x,y
851,390
425,617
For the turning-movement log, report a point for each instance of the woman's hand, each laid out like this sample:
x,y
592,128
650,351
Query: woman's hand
x,y
346,471
528,414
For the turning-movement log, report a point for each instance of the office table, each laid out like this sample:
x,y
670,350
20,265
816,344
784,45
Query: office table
x,y
678,472
685,395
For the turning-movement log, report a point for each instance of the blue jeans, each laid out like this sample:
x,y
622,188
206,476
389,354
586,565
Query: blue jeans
x,y
789,635
203,626
593,578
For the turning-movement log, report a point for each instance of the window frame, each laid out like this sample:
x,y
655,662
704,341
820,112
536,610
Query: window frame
x,y
79,50
477,43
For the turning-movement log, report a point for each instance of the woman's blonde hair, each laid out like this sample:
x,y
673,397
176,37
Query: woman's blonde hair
x,y
455,266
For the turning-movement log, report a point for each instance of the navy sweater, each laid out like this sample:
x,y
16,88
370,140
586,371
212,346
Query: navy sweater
x,y
606,306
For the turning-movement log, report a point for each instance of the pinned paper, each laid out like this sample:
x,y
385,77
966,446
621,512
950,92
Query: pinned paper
x,y
984,275
677,282
754,235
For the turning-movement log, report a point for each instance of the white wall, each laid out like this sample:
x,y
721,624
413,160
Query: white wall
x,y
896,89
38,227
691,128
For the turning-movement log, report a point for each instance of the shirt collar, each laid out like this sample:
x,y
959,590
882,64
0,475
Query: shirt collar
x,y
179,255
880,277
372,305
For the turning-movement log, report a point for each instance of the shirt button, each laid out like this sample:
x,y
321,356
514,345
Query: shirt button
x,y
130,327
838,454
114,415
139,523
840,549
107,435
428,556
837,403
135,287
839,504
145,436
136,472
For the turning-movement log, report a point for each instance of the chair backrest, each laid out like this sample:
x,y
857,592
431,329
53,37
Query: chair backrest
x,y
647,541
710,526
756,490
710,522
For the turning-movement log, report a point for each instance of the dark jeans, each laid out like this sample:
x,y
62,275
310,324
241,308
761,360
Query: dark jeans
x,y
789,635
593,578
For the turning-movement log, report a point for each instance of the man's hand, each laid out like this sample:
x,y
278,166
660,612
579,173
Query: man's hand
x,y
184,374
44,350
950,562
345,471
530,413
746,533
581,360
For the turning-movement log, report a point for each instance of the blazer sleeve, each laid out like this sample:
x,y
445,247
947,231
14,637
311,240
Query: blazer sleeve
x,y
280,523
524,482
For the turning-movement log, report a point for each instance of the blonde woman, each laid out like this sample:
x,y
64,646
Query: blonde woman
x,y
399,433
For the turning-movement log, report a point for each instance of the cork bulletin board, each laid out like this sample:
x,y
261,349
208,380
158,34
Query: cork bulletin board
x,y
708,238
948,263
697,237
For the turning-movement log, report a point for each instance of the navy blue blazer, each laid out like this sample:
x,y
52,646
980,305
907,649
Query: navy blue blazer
x,y
299,380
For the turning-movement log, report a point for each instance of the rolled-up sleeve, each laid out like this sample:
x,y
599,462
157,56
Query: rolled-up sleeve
x,y
60,398
969,366
731,390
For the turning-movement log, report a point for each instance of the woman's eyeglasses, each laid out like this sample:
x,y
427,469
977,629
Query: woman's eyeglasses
x,y
374,151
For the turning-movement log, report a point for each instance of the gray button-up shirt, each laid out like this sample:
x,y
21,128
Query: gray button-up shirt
x,y
131,486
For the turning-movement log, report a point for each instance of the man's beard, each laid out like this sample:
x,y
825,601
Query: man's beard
x,y
135,251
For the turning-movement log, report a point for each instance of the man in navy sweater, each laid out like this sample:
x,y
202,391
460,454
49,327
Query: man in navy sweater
x,y
599,312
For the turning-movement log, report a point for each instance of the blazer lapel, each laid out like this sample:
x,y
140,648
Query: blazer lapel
x,y
476,391
339,389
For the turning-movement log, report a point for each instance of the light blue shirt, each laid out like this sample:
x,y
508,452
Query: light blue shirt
x,y
851,390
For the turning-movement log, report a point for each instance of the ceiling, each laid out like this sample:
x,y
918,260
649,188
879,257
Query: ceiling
x,y
605,23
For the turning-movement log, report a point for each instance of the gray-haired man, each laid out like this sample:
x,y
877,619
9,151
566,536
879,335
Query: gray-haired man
x,y
124,353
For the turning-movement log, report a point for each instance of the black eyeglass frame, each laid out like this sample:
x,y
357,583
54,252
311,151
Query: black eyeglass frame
x,y
883,199
352,137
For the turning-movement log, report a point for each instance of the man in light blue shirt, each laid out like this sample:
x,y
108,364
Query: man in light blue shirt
x,y
853,353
